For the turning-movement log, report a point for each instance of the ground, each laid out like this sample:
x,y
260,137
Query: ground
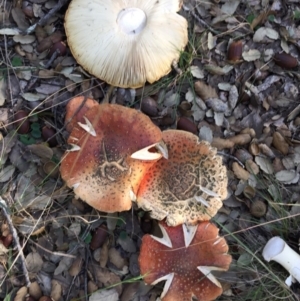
x,y
236,85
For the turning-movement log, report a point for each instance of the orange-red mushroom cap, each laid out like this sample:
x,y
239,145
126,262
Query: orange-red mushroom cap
x,y
99,166
189,186
185,258
75,110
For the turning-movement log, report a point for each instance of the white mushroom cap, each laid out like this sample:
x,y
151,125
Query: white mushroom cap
x,y
126,43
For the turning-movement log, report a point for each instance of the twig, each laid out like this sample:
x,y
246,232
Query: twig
x,y
6,213
52,59
46,17
203,23
231,157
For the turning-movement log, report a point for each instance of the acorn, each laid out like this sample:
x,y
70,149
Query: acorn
x,y
235,50
59,47
48,135
258,208
149,106
21,122
99,237
187,125
285,60
51,169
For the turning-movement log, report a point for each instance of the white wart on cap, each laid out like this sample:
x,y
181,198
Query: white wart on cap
x,y
126,43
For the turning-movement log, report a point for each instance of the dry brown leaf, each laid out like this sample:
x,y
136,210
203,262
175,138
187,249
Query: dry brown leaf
x,y
259,19
56,290
91,287
221,143
104,255
240,172
216,70
64,265
21,293
19,17
106,277
34,262
35,290
264,164
6,173
205,91
251,55
75,268
280,143
27,39
252,167
240,139
115,258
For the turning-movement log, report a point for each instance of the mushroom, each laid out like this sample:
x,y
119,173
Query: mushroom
x,y
75,110
126,43
278,250
189,186
185,257
99,165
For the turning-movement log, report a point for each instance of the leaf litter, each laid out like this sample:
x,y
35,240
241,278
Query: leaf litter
x,y
247,109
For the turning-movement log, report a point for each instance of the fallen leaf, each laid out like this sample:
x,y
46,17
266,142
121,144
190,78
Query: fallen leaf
x,y
196,72
206,134
205,91
251,55
56,290
263,32
27,39
34,262
211,41
264,164
105,295
6,173
33,97
229,7
2,91
287,176
218,70
9,31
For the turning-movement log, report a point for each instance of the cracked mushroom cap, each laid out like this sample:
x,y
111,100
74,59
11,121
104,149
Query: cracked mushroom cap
x,y
99,165
126,43
75,110
185,257
189,186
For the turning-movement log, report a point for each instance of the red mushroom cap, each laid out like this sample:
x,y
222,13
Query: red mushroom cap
x,y
75,110
187,187
99,166
185,257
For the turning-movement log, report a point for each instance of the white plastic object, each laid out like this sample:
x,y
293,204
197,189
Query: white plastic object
x,y
278,250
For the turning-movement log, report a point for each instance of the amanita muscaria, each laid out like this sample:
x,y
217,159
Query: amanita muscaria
x,y
112,149
75,110
187,187
185,257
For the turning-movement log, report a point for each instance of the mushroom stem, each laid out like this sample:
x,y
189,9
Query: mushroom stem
x,y
277,249
108,94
